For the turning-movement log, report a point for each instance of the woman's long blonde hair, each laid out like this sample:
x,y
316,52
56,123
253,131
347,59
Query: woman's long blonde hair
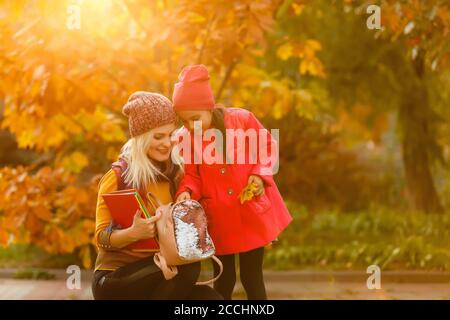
x,y
141,171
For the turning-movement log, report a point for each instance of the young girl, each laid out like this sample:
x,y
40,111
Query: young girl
x,y
144,164
235,227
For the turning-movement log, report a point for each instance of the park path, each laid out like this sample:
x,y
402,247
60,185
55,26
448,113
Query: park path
x,y
280,285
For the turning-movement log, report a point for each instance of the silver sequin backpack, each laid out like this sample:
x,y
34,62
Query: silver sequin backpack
x,y
182,234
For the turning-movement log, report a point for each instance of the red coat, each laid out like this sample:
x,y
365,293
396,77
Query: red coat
x,y
236,227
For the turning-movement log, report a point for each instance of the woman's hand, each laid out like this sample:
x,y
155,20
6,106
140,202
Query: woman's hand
x,y
259,184
184,196
143,228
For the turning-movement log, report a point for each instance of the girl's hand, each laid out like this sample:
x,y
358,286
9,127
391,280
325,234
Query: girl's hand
x,y
259,184
143,228
184,196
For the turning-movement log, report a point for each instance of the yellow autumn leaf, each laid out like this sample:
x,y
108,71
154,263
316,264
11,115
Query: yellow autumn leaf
x,y
312,66
304,67
298,8
277,110
248,192
285,51
195,17
25,139
75,162
313,45
80,158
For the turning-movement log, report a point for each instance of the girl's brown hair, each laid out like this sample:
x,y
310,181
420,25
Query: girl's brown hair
x,y
218,122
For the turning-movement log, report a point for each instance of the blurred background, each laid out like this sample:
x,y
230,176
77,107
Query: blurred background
x,y
360,93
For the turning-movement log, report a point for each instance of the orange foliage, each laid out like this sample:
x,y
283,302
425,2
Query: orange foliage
x,y
62,89
46,209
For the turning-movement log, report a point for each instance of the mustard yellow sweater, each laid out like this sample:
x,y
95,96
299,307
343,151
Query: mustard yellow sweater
x,y
111,259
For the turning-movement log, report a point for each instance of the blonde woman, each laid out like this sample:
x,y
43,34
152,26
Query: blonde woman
x,y
144,164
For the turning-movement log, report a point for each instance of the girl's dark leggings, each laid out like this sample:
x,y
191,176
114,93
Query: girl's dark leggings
x,y
251,274
142,280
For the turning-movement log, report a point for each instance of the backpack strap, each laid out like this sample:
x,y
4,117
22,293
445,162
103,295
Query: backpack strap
x,y
154,200
214,258
119,168
170,272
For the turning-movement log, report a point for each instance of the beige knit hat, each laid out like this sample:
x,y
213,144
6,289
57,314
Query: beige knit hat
x,y
147,110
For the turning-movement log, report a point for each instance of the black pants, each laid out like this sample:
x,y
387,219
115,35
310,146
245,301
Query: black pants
x,y
251,273
142,280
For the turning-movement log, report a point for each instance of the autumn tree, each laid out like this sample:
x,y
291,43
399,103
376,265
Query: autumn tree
x,y
67,67
422,29
401,67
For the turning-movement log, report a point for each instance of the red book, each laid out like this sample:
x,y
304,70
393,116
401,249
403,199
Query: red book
x,y
123,205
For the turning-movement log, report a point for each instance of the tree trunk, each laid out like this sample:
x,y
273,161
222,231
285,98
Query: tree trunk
x,y
416,118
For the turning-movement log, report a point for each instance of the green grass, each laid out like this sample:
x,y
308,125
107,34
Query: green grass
x,y
36,274
29,256
390,239
18,255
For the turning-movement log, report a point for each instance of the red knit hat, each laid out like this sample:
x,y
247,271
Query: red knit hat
x,y
192,91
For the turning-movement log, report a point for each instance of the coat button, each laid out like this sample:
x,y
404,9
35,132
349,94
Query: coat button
x,y
223,170
230,191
